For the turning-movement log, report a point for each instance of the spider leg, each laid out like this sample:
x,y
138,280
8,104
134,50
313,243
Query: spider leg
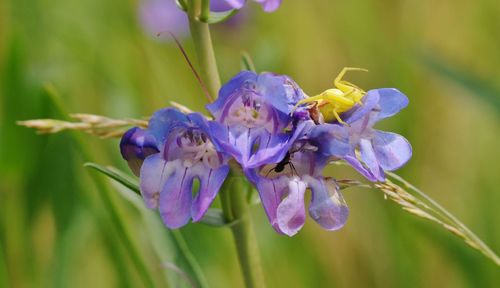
x,y
337,116
344,85
310,99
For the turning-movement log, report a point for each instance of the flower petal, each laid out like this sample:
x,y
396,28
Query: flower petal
x,y
154,173
251,147
176,198
370,159
280,91
328,207
227,92
135,145
163,121
392,150
356,164
271,191
370,100
391,101
291,214
273,147
236,4
270,5
210,182
331,139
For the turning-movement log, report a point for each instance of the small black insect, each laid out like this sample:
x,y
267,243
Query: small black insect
x,y
282,164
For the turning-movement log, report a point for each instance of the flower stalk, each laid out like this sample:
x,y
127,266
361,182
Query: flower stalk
x,y
200,33
236,210
232,195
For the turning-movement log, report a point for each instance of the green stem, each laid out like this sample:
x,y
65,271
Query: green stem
x,y
235,208
200,32
234,204
190,259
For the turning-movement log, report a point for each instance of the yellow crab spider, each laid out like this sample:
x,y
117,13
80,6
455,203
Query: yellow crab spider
x,y
337,100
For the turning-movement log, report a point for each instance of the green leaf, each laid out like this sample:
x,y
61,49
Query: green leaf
x,y
215,217
181,4
246,62
165,242
114,174
218,17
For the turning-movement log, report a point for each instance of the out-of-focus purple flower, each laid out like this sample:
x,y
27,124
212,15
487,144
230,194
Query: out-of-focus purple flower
x,y
374,151
253,121
176,150
267,5
157,16
282,186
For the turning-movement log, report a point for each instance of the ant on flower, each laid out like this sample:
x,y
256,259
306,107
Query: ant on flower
x,y
287,160
337,100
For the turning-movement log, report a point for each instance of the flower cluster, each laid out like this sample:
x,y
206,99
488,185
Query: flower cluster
x,y
281,141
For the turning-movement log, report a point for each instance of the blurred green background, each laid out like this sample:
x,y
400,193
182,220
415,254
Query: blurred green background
x,y
55,230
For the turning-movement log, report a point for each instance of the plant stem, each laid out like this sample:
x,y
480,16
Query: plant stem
x,y
234,205
200,32
235,208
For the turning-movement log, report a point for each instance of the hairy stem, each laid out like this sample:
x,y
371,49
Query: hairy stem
x,y
232,195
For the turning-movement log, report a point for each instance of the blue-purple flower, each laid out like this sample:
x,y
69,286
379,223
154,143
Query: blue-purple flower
x,y
282,151
252,117
135,145
373,151
282,186
267,5
177,151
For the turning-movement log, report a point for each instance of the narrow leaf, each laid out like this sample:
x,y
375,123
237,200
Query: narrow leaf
x,y
218,17
119,177
246,62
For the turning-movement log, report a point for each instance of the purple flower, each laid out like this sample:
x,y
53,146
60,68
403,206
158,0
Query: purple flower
x,y
135,145
253,122
373,151
267,5
177,151
157,16
282,186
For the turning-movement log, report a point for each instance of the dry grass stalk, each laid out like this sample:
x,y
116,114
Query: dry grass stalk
x,y
97,125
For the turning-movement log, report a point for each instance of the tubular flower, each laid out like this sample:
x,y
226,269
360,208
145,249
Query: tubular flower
x,y
282,186
373,151
178,152
135,145
267,5
253,122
